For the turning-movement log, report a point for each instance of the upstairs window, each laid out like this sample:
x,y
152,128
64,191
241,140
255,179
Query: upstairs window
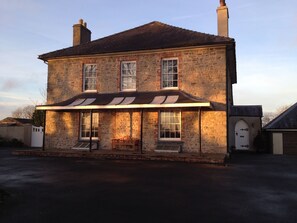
x,y
169,73
170,125
128,75
90,77
86,123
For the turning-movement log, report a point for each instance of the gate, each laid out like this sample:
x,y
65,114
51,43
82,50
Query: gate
x,y
37,136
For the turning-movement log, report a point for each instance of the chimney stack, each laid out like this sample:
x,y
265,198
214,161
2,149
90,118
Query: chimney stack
x,y
81,34
223,17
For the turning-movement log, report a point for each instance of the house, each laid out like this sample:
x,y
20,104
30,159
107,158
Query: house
x,y
282,132
245,125
153,88
23,130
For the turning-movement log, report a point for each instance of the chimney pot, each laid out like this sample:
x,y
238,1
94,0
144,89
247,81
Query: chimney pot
x,y
222,2
81,34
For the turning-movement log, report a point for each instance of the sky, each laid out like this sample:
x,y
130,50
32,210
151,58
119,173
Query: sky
x,y
265,32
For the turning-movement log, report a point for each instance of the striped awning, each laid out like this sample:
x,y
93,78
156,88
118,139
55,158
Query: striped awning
x,y
128,100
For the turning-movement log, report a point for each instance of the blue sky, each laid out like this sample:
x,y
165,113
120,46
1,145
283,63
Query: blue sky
x,y
265,32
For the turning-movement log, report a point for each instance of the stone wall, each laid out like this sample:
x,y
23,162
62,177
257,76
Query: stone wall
x,y
106,130
214,131
202,73
62,129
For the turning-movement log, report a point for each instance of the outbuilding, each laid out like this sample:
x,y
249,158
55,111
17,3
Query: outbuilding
x,y
282,132
245,123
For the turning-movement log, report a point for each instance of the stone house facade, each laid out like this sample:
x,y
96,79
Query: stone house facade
x,y
165,88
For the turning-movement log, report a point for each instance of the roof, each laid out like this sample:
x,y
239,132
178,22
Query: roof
x,y
151,36
9,121
286,120
247,110
128,100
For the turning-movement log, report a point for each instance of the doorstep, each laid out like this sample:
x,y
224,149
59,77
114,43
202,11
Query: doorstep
x,y
206,158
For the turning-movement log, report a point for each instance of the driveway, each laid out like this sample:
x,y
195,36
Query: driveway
x,y
250,188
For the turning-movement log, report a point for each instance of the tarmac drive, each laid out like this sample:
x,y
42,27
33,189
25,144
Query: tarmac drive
x,y
251,188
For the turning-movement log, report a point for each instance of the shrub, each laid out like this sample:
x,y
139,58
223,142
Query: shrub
x,y
4,142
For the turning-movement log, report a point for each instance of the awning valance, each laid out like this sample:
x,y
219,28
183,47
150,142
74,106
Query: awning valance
x,y
128,100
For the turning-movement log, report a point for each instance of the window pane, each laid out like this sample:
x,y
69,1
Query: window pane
x,y
128,73
170,124
90,76
85,125
169,73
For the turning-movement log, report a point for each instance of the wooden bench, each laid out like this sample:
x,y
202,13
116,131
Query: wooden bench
x,y
130,144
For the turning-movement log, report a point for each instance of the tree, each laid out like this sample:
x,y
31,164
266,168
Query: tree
x,y
269,116
24,112
17,113
38,118
281,109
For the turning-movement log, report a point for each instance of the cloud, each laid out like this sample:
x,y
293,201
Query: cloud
x,y
10,85
6,96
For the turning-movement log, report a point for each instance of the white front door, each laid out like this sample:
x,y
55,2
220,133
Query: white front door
x,y
277,140
242,135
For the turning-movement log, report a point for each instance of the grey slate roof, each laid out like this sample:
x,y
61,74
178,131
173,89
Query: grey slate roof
x,y
246,110
286,120
151,36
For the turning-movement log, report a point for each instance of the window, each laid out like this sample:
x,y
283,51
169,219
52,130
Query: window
x,y
128,76
85,125
170,125
169,73
90,77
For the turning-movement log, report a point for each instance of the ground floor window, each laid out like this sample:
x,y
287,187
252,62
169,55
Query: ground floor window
x,y
170,125
85,124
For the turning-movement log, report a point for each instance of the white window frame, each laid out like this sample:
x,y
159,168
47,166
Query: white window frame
x,y
95,126
85,78
124,75
167,74
179,124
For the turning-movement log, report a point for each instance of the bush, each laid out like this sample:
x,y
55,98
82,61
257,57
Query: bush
x,y
4,142
261,142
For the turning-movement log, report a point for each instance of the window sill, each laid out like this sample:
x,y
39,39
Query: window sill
x,y
169,88
90,91
171,140
128,90
88,139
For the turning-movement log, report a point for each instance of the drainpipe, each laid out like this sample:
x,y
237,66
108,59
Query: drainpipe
x,y
141,131
200,131
91,127
43,140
